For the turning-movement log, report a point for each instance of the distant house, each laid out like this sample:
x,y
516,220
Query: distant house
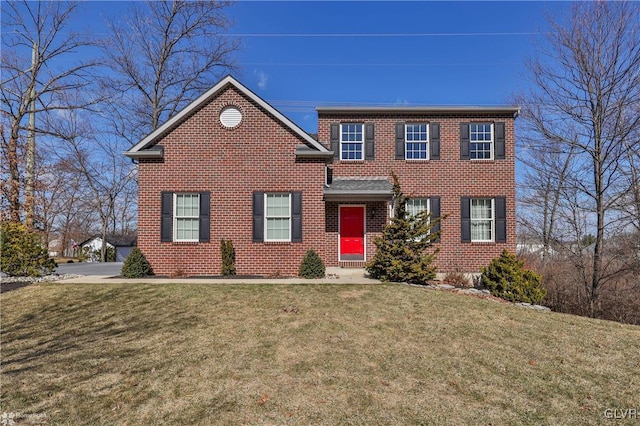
x,y
55,247
231,166
122,244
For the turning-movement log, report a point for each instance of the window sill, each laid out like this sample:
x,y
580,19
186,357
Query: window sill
x,y
352,161
276,243
185,243
420,160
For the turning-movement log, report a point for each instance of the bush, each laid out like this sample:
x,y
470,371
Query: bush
x,y
405,252
136,265
228,258
506,278
110,254
22,252
312,266
457,279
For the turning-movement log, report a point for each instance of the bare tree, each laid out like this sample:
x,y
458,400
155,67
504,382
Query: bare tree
x,y
542,188
164,55
62,201
98,160
38,65
587,86
630,203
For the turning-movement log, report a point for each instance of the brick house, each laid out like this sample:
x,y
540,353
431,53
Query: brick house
x,y
230,166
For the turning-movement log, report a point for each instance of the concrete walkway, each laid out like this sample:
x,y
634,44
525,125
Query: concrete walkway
x,y
334,276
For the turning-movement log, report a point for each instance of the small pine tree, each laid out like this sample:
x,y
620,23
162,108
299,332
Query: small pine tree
x,y
402,253
136,265
506,278
311,266
228,258
22,252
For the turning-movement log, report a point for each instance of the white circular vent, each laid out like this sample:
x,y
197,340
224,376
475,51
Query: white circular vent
x,y
230,117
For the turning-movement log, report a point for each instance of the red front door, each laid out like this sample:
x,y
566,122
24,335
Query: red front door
x,y
351,233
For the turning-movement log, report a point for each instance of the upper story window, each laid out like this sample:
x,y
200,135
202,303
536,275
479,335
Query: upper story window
x,y
416,141
351,141
482,219
481,141
277,217
186,217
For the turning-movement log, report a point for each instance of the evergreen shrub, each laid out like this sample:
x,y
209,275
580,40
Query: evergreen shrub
x,y
136,265
405,251
22,252
228,257
506,278
312,266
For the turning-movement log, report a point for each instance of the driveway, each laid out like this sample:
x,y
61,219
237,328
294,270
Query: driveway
x,y
107,269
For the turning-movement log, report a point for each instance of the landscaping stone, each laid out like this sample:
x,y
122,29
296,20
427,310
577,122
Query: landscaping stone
x,y
446,286
536,307
46,278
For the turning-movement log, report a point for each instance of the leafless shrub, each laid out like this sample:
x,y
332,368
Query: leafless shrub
x,y
457,279
618,298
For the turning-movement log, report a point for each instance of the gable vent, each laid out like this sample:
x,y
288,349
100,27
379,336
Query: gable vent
x,y
230,117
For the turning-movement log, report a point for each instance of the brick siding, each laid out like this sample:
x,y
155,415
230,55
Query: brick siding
x,y
259,155
449,178
202,155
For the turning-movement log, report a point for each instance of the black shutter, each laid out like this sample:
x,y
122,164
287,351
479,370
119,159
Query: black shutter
x,y
166,221
500,141
434,209
205,220
258,216
465,153
296,217
335,139
434,135
465,216
399,141
501,219
369,142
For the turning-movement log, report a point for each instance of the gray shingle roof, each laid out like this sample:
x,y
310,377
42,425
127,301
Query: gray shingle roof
x,y
360,188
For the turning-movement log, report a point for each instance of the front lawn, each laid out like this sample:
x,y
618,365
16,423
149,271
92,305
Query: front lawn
x,y
305,354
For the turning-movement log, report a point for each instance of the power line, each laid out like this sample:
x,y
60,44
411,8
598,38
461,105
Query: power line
x,y
320,64
508,34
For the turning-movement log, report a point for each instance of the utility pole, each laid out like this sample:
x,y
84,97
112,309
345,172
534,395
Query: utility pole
x,y
31,147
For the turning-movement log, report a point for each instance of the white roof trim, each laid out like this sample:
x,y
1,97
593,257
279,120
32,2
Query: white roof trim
x,y
182,115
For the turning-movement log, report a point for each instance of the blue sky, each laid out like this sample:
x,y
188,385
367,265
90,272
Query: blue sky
x,y
422,53
297,55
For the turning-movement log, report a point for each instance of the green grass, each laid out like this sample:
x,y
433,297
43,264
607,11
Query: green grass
x,y
306,354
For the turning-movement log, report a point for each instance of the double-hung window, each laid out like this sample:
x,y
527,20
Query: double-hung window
x,y
482,219
351,141
430,205
277,217
481,141
417,205
416,141
186,217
